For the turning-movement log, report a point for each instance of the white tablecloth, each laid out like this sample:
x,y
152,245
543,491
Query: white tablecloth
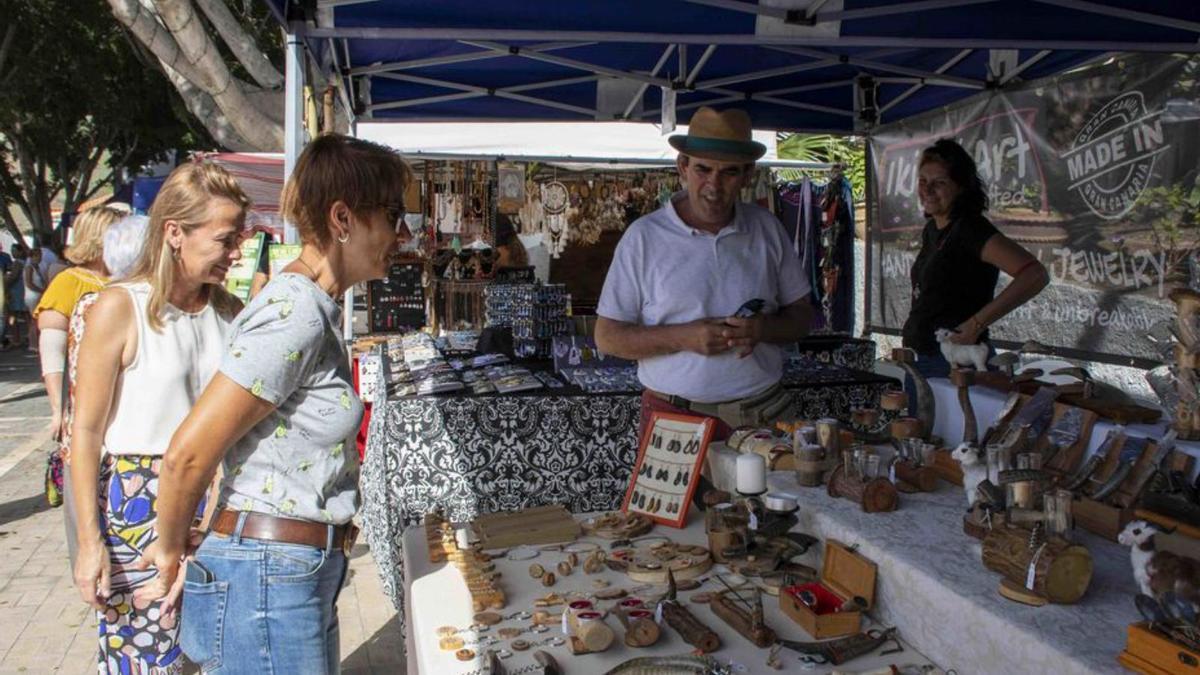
x,y
438,597
987,403
933,585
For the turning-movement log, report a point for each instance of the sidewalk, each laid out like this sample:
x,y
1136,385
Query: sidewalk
x,y
44,626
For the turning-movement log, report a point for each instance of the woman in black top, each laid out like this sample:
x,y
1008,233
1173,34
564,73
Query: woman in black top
x,y
962,254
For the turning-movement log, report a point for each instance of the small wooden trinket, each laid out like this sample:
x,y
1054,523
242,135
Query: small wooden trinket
x,y
1060,571
744,616
509,633
548,600
450,643
488,618
446,631
611,593
874,496
564,569
682,621
548,579
846,577
589,633
923,478
640,629
464,654
688,585
544,618
594,563
573,560
893,401
536,571
520,645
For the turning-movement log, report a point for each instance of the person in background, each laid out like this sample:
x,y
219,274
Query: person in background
x,y
123,242
962,254
282,414
152,343
53,311
510,252
33,277
6,265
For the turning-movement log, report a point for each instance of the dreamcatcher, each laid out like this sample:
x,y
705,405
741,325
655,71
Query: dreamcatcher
x,y
555,199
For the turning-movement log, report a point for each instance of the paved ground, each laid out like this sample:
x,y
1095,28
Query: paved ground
x,y
44,626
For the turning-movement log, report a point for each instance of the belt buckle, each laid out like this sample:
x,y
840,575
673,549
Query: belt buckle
x,y
349,538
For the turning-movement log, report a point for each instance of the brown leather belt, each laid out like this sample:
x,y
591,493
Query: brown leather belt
x,y
743,403
285,530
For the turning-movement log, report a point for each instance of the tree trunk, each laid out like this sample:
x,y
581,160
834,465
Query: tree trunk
x,y
187,54
241,44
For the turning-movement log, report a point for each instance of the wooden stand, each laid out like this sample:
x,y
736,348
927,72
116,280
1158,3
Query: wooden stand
x,y
1153,653
946,468
1061,571
923,478
1067,459
962,380
877,495
975,524
689,627
1109,517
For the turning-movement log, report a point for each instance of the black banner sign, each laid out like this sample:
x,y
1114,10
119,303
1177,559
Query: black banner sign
x,y
1095,172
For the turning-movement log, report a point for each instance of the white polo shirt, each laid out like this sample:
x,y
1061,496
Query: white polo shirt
x,y
665,271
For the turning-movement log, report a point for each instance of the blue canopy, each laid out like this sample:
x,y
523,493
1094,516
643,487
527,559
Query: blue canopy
x,y
835,66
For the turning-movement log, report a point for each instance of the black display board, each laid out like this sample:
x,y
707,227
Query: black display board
x,y
398,302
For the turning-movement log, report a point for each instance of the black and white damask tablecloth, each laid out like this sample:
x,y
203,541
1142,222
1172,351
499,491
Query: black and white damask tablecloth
x,y
480,454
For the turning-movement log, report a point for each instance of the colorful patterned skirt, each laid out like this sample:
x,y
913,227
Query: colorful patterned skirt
x,y
134,636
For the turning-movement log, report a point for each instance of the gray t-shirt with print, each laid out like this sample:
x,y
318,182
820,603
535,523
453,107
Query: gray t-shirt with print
x,y
300,461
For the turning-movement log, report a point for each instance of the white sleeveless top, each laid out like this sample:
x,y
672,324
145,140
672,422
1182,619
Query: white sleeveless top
x,y
169,371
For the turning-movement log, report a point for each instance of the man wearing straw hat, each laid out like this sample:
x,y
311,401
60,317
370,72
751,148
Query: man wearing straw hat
x,y
679,276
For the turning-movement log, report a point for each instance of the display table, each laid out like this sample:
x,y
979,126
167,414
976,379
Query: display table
x,y
439,598
934,587
987,403
480,454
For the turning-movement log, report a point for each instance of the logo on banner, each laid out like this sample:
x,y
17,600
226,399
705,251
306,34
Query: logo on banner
x,y
1112,159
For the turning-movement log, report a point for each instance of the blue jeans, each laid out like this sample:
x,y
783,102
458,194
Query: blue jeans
x,y
253,606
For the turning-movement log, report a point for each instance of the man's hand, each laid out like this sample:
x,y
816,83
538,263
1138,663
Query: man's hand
x,y
743,334
704,336
92,570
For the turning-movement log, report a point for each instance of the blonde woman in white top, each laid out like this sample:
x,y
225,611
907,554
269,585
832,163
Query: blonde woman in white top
x,y
151,346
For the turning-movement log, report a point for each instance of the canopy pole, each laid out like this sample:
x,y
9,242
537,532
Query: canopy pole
x,y
293,116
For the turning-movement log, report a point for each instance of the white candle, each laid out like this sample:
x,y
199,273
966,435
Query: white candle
x,y
751,474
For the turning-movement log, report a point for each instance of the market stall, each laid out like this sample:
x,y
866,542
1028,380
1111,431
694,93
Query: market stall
x,y
1032,463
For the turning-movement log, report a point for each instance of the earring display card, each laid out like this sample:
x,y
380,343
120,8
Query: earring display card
x,y
668,467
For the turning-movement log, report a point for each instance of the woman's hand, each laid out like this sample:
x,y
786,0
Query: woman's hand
x,y
92,570
168,585
967,333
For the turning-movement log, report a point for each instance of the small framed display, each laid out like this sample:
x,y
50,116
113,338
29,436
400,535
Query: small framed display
x,y
668,467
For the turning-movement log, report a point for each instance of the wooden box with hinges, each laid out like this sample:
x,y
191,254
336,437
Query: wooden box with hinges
x,y
1150,652
1107,512
845,576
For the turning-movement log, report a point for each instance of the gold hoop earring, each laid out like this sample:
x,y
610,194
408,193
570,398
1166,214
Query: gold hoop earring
x,y
343,239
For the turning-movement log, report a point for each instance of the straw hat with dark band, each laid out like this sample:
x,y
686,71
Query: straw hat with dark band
x,y
722,136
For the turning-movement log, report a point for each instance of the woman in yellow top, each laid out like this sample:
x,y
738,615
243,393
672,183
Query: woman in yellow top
x,y
53,311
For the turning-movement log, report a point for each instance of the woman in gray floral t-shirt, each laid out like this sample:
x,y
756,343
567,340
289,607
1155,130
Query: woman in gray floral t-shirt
x,y
261,593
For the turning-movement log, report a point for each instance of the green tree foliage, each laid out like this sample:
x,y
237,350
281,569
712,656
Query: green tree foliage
x,y
80,102
849,150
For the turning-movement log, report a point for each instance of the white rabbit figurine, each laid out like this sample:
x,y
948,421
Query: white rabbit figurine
x,y
962,355
974,469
